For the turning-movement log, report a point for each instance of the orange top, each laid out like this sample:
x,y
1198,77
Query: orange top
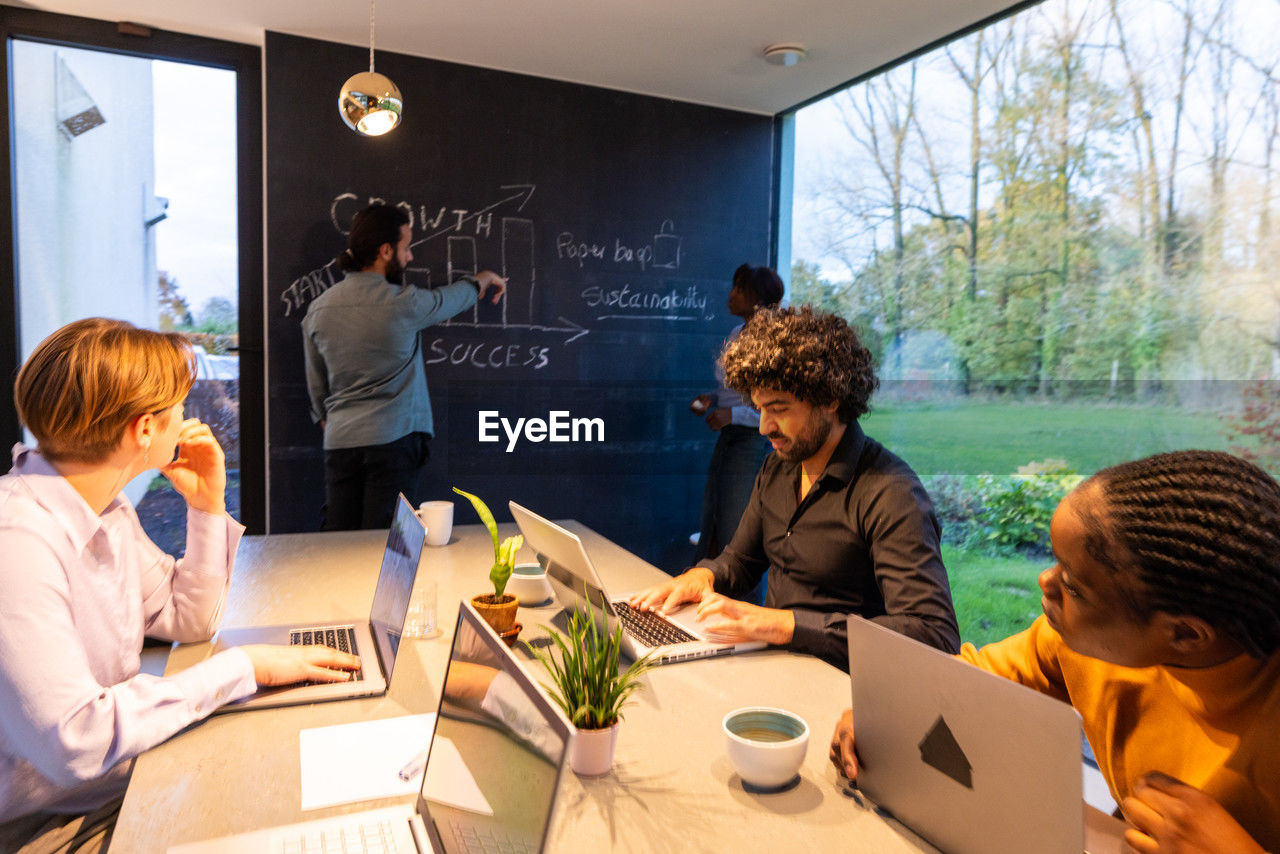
x,y
1215,728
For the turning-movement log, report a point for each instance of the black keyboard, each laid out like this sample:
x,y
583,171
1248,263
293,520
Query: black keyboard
x,y
650,628
341,638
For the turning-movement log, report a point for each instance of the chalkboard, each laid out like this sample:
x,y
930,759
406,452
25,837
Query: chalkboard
x,y
619,219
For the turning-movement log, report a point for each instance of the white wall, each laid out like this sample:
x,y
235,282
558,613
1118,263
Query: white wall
x,y
82,203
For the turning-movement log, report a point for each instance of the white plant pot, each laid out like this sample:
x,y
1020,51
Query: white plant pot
x,y
593,751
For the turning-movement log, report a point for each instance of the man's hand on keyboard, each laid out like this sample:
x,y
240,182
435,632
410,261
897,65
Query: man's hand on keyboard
x,y
726,620
693,585
284,665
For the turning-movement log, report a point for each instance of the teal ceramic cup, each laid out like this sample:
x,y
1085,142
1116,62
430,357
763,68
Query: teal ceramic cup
x,y
766,746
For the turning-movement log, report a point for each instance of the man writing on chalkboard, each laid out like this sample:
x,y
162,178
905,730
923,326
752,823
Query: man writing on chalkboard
x,y
841,525
363,346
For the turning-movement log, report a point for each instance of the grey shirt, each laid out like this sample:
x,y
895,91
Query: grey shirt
x,y
865,541
363,346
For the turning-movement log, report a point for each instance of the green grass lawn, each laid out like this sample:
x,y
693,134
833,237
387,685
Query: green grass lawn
x,y
997,437
998,596
994,596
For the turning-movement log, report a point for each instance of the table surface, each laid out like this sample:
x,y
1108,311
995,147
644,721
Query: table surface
x,y
671,785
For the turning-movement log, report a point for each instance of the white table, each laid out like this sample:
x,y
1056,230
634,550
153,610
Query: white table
x,y
672,787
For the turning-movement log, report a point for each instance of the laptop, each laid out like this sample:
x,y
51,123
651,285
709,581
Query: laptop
x,y
971,761
513,744
677,636
376,639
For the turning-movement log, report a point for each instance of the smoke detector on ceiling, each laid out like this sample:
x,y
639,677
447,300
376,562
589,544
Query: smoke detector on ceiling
x,y
785,55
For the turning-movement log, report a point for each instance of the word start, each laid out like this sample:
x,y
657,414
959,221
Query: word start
x,y
558,426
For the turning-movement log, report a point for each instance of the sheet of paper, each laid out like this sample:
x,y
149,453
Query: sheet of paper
x,y
454,786
362,761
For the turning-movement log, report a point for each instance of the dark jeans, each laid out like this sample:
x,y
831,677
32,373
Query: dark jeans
x,y
735,462
361,484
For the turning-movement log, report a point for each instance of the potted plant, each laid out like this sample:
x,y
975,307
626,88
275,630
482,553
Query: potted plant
x,y
589,687
499,607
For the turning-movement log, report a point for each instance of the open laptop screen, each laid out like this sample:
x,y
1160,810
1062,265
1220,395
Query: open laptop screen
x,y
562,555
511,742
395,582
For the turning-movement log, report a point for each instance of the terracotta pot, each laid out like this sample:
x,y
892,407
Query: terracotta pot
x,y
592,751
511,635
497,612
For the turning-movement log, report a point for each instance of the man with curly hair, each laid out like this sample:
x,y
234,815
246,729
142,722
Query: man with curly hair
x,y
841,524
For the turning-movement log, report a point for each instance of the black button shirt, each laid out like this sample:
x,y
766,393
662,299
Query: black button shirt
x,y
865,541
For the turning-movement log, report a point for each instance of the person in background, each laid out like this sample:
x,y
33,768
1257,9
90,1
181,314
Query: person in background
x,y
80,583
362,344
739,449
841,524
1161,626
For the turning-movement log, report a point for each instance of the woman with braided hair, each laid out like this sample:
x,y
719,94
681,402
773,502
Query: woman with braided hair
x,y
1161,626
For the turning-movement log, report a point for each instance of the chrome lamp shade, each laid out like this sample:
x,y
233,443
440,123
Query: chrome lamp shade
x,y
370,103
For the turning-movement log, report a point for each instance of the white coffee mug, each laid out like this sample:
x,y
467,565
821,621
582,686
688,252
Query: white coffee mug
x,y
438,517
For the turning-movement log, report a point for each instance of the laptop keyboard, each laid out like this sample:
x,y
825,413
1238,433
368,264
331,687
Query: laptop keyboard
x,y
341,638
366,837
650,628
486,840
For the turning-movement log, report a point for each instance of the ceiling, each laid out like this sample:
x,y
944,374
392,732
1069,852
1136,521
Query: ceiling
x,y
702,51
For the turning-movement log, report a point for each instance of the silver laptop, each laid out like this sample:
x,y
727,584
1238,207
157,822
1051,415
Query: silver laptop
x,y
376,639
677,636
973,762
513,742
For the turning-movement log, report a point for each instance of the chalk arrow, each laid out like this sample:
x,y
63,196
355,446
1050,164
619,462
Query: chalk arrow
x,y
581,331
528,194
525,194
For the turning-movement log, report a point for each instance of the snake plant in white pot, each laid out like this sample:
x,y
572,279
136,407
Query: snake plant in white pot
x,y
588,685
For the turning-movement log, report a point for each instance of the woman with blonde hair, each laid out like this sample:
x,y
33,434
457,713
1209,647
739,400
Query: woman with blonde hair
x,y
81,584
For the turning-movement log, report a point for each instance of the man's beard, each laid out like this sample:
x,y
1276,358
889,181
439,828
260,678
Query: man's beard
x,y
395,272
814,434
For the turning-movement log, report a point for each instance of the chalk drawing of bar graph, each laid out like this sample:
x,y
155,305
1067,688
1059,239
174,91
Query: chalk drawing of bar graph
x,y
518,269
516,309
462,262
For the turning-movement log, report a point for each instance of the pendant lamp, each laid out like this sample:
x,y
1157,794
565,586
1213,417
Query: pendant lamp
x,y
370,103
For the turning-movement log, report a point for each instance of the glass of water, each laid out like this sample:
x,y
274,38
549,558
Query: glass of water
x,y
420,620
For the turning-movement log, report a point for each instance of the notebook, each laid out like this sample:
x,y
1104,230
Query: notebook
x,y
973,762
677,636
376,638
512,740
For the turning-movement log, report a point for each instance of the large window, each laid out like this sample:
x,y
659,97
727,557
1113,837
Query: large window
x,y
1058,235
129,201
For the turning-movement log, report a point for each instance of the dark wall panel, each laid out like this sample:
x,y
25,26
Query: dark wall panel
x,y
619,219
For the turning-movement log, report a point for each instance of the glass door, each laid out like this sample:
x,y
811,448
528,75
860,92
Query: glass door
x,y
126,203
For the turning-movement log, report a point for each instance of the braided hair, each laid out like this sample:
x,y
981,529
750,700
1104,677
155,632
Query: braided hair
x,y
1202,530
764,282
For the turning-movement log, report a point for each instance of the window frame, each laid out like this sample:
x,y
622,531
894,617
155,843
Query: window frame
x,y
149,43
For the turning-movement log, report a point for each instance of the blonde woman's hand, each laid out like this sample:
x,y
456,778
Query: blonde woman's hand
x,y
199,471
284,665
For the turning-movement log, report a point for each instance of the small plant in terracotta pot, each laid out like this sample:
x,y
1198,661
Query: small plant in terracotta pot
x,y
499,607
